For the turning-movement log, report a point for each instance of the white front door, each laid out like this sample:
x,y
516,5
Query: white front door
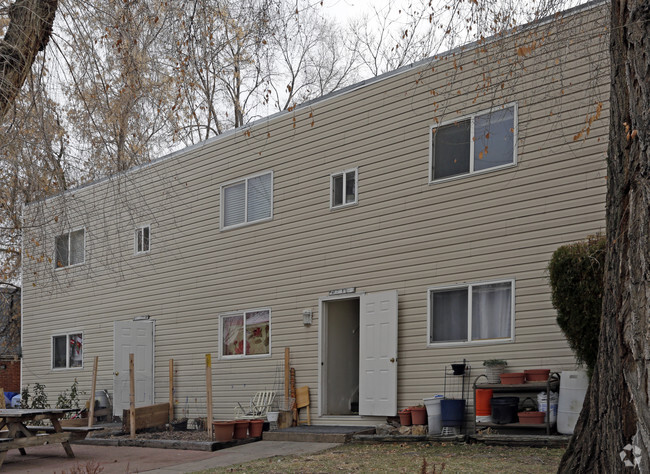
x,y
132,337
378,354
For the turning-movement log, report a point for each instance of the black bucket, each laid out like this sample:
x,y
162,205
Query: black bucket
x,y
504,409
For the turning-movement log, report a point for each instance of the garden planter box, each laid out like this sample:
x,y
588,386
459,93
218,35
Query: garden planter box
x,y
512,378
537,375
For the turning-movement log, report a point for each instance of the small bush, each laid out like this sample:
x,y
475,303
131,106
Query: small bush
x,y
576,276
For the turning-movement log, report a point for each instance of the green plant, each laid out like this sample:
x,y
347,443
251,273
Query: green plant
x,y
576,277
69,400
495,363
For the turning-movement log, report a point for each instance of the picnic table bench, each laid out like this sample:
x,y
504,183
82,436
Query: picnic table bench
x,y
19,436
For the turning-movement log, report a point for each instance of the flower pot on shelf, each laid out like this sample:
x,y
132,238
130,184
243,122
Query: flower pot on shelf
x,y
493,373
537,375
223,430
418,415
255,428
512,378
531,417
458,369
405,417
241,429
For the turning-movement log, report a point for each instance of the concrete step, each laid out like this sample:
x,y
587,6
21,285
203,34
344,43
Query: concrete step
x,y
317,434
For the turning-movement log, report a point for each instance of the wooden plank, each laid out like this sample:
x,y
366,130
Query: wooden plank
x,y
91,416
171,390
208,383
132,422
149,416
287,380
38,440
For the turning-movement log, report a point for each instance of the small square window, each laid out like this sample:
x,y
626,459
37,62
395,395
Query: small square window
x,y
247,333
142,239
67,351
69,249
343,188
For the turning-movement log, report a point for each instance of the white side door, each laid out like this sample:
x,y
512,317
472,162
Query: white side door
x,y
132,337
378,354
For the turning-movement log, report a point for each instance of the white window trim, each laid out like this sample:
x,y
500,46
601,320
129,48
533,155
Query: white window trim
x,y
222,225
243,313
135,239
56,268
471,117
468,285
356,187
67,335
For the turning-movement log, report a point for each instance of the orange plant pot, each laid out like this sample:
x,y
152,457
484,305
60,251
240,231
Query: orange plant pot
x,y
512,378
531,417
404,417
241,429
223,430
255,429
537,375
418,415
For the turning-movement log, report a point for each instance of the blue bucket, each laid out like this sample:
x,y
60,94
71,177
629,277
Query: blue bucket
x,y
453,412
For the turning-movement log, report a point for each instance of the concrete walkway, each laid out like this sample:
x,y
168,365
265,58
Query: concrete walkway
x,y
247,452
113,460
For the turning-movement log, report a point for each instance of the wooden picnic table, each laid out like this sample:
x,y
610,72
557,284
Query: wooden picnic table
x,y
19,435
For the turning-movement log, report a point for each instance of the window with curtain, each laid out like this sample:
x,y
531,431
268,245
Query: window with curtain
x,y
246,333
472,312
67,351
248,200
483,141
69,249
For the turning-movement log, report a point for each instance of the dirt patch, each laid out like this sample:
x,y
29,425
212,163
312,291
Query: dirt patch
x,y
176,435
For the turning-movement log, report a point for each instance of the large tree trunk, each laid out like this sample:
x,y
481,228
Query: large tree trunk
x,y
30,27
616,415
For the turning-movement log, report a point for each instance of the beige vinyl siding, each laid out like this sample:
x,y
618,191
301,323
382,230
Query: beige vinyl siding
x,y
405,234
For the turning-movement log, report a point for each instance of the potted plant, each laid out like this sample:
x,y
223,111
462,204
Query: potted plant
x,y
418,415
405,417
493,369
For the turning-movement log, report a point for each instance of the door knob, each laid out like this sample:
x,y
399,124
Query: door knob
x,y
116,373
392,359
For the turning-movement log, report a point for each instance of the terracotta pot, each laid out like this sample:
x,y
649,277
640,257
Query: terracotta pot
x,y
241,429
255,429
404,417
223,430
512,378
537,375
418,415
531,417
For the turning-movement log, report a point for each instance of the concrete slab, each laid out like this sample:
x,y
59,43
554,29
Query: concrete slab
x,y
317,433
252,452
113,460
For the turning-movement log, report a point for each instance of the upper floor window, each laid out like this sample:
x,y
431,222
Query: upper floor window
x,y
142,239
67,351
477,143
247,200
246,333
474,312
343,188
69,248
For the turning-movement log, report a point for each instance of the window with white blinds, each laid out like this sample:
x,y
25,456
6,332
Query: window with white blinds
x,y
246,201
69,249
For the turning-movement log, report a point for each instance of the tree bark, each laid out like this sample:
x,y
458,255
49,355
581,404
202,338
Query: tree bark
x,y
29,30
613,431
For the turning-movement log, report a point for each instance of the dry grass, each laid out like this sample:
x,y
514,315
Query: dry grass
x,y
409,458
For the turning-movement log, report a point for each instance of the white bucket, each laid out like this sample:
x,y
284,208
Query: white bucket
x,y
543,406
434,414
573,388
273,416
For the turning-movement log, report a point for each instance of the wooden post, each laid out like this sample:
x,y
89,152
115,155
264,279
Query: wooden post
x,y
2,399
287,382
208,383
171,390
132,394
93,387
